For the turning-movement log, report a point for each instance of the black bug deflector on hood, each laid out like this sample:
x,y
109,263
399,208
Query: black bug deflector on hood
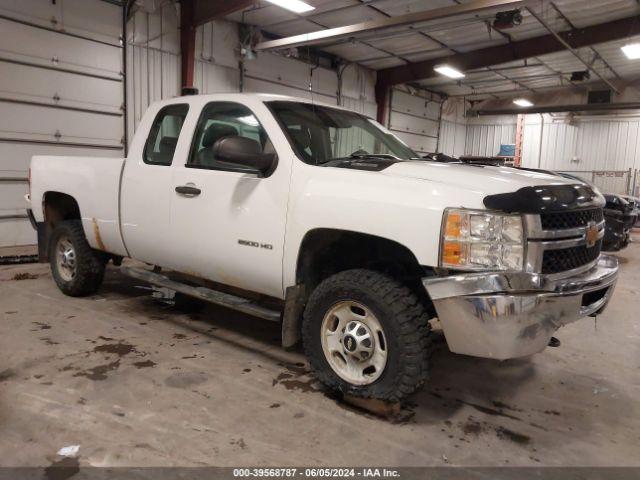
x,y
546,198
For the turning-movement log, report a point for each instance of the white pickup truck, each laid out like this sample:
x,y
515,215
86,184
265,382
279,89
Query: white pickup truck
x,y
320,218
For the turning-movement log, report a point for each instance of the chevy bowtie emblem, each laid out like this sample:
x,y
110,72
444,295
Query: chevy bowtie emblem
x,y
591,234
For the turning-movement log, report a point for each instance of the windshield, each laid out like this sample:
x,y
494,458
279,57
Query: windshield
x,y
320,134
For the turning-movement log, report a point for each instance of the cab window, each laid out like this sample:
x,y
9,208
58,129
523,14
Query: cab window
x,y
164,133
320,134
219,120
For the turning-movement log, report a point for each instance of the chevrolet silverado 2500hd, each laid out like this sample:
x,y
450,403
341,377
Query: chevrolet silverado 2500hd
x,y
321,219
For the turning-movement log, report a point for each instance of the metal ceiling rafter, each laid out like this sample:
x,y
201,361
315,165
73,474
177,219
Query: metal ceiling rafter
x,y
571,49
529,77
509,40
510,92
390,54
205,10
593,49
419,32
453,50
315,14
517,50
515,67
332,34
309,19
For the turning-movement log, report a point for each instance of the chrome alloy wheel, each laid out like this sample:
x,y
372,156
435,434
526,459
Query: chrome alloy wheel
x,y
353,343
66,258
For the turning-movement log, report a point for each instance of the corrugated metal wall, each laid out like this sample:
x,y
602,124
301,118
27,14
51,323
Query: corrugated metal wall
x,y
216,68
357,90
453,128
607,143
153,60
218,71
484,135
612,141
556,150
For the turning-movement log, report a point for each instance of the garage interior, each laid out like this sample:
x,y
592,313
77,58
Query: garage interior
x,y
135,381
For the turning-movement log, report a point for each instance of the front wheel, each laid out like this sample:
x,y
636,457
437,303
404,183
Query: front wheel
x,y
77,269
367,335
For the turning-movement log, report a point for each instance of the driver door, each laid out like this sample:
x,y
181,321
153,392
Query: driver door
x,y
228,223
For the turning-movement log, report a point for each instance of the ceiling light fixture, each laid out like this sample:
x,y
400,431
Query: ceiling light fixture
x,y
523,102
631,50
296,6
448,71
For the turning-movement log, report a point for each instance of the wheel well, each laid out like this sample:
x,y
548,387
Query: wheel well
x,y
59,206
324,252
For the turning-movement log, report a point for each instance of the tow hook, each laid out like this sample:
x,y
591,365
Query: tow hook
x,y
554,342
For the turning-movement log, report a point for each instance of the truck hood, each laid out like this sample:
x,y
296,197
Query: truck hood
x,y
478,178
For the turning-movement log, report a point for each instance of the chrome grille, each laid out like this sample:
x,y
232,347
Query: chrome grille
x,y
564,259
559,242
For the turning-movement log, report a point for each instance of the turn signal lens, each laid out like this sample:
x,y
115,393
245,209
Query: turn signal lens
x,y
452,252
481,240
453,226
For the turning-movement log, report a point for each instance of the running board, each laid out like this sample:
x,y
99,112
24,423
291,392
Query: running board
x,y
212,296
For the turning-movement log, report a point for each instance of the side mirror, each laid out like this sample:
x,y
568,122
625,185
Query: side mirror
x,y
243,152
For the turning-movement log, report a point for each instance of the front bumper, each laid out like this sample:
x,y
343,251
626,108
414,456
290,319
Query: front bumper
x,y
505,315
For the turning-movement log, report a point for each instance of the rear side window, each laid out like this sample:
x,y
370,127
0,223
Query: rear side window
x,y
164,133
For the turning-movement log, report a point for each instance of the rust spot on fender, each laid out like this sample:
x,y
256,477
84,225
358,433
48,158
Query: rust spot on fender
x,y
96,233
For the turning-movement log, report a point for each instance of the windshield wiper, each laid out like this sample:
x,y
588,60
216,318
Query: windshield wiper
x,y
356,155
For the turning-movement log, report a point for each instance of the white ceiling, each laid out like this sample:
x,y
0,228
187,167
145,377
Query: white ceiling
x,y
463,33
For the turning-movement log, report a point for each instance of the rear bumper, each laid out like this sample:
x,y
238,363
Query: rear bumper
x,y
508,315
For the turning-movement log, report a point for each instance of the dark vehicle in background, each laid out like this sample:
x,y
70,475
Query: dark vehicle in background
x,y
620,216
635,202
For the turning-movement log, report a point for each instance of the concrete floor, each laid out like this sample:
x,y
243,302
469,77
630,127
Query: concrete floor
x,y
137,383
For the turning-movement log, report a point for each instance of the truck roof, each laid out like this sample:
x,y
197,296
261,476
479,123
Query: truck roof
x,y
230,97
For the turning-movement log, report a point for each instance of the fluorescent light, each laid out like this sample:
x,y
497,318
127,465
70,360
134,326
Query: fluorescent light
x,y
523,102
296,6
631,50
448,71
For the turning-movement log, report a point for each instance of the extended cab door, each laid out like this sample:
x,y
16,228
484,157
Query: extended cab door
x,y
147,183
228,225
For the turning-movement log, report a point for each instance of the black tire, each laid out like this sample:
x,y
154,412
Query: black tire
x,y
89,263
403,318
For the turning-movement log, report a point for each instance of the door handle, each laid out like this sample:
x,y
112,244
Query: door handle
x,y
188,190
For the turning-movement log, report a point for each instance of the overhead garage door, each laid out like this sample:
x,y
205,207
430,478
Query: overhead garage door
x,y
416,120
61,93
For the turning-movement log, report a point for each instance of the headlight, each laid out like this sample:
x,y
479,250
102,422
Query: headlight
x,y
480,240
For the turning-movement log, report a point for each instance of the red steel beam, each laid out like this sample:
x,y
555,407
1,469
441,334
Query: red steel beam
x,y
519,50
199,12
207,10
382,101
187,42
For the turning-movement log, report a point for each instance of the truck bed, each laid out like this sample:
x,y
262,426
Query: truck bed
x,y
94,183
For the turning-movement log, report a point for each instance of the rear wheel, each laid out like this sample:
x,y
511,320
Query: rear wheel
x,y
367,335
77,269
